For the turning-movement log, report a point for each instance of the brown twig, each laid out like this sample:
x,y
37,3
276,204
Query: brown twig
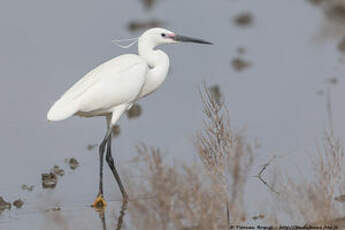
x,y
263,180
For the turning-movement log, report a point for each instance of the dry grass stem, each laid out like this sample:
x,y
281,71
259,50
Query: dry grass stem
x,y
226,155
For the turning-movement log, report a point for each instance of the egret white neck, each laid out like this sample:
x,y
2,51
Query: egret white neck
x,y
158,62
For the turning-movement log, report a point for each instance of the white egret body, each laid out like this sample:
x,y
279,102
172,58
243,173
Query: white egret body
x,y
114,86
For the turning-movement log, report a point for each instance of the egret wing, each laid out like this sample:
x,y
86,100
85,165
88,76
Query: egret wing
x,y
121,88
102,87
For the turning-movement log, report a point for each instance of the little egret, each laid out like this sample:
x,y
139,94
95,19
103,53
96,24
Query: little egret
x,y
114,86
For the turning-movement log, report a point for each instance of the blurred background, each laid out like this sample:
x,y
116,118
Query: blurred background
x,y
278,66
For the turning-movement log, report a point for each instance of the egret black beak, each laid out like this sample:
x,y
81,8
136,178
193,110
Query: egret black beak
x,y
180,38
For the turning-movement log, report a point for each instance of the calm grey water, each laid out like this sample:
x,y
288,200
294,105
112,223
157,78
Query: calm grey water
x,y
48,45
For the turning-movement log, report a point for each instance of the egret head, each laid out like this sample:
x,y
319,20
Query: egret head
x,y
158,36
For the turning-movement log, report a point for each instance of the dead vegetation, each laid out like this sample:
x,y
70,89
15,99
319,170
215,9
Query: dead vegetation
x,y
181,196
316,200
226,155
210,193
206,194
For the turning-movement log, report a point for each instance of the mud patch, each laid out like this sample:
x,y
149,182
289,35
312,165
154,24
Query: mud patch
x,y
134,112
244,19
18,203
57,170
73,163
4,205
27,188
49,180
239,64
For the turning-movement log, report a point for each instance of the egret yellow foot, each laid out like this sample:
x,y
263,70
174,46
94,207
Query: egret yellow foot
x,y
99,203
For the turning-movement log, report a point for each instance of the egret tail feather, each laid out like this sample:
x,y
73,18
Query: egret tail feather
x,y
61,111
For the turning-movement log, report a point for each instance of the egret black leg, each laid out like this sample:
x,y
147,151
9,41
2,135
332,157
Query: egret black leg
x,y
101,156
111,164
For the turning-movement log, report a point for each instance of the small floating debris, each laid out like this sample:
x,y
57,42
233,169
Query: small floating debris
x,y
91,147
240,64
73,163
243,19
27,188
55,209
4,205
49,180
18,203
134,112
57,170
